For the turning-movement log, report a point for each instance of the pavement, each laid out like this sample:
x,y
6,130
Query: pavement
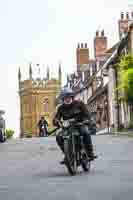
x,y
30,170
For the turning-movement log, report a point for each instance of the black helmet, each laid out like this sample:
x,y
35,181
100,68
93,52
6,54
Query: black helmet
x,y
67,92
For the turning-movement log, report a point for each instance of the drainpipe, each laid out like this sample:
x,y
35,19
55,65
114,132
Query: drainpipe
x,y
117,96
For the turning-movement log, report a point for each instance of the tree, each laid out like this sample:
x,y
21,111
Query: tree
x,y
9,133
126,79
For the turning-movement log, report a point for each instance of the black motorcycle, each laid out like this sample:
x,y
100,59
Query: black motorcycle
x,y
2,136
74,150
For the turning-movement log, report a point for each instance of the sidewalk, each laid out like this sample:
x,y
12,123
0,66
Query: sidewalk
x,y
123,133
103,132
113,132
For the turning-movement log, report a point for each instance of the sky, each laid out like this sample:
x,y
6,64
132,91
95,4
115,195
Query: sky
x,y
47,32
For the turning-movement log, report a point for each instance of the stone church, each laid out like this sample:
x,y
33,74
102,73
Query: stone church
x,y
37,99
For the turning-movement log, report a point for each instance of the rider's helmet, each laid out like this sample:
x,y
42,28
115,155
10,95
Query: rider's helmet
x,y
67,95
67,92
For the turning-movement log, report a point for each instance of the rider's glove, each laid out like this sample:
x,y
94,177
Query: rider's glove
x,y
57,123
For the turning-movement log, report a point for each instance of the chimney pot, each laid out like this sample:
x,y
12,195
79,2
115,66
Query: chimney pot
x,y
97,33
81,45
127,15
78,45
85,45
122,15
102,33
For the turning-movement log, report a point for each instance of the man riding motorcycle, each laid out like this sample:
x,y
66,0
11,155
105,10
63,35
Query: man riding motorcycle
x,y
43,124
71,108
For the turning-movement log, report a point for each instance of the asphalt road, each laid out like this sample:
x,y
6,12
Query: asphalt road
x,y
30,170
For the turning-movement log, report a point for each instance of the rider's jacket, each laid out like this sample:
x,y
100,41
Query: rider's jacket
x,y
77,110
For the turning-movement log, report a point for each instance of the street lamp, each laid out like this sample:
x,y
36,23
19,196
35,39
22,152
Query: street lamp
x,y
99,111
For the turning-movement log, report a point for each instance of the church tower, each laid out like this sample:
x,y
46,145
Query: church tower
x,y
37,99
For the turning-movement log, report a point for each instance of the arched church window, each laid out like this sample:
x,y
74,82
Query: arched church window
x,y
45,105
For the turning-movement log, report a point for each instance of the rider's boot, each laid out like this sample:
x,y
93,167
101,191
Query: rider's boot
x,y
62,162
92,156
89,148
90,153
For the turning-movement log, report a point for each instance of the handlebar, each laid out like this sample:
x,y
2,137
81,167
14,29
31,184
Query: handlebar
x,y
72,121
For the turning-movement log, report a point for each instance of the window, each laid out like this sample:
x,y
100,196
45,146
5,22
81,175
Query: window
x,y
45,105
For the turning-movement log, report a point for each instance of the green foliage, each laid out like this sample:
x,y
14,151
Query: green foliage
x,y
130,125
126,62
28,135
51,129
9,133
126,72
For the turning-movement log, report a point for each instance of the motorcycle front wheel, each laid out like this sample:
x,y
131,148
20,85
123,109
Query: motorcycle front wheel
x,y
70,158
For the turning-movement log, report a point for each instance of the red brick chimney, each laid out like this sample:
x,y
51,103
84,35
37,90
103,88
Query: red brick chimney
x,y
82,54
100,45
123,23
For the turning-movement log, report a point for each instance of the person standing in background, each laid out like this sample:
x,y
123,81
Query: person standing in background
x,y
43,127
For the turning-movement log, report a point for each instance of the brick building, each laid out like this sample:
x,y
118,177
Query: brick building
x,y
97,78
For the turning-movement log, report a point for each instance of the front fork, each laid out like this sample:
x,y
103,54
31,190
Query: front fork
x,y
77,148
74,152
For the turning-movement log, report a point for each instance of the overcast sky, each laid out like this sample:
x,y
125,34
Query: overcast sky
x,y
46,32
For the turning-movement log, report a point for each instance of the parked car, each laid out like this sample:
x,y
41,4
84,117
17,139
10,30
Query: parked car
x,y
2,136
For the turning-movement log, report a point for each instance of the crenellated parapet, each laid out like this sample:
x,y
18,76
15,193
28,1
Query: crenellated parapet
x,y
38,82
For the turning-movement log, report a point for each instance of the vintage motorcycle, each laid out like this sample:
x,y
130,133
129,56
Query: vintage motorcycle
x,y
74,150
43,131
